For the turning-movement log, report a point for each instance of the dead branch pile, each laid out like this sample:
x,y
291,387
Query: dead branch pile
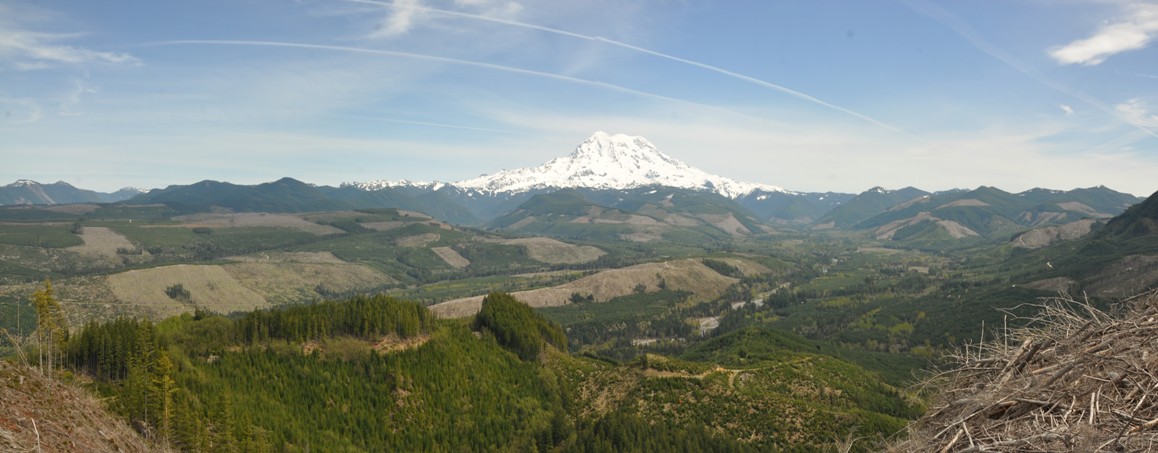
x,y
1079,380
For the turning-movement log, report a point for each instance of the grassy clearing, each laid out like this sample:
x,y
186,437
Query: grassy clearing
x,y
211,287
102,241
177,243
293,282
153,236
418,240
465,287
551,251
451,257
681,275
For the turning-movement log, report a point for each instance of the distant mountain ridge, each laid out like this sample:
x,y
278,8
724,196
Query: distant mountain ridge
x,y
616,171
618,162
867,204
983,213
26,191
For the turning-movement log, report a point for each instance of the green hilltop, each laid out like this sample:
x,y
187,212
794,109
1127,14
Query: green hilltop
x,y
362,374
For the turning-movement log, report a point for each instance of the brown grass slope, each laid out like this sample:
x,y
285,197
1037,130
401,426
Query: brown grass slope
x,y
684,275
1080,380
41,414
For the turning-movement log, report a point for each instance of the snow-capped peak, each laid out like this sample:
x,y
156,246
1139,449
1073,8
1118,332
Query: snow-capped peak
x,y
23,182
387,184
606,161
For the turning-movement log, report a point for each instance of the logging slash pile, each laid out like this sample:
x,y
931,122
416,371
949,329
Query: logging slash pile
x,y
1077,380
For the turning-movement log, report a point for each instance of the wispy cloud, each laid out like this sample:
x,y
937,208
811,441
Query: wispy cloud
x,y
1066,109
25,49
400,21
1117,143
408,14
70,101
1135,29
1138,112
448,60
967,32
28,51
620,44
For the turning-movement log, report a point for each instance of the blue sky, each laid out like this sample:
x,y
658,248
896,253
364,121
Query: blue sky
x,y
810,96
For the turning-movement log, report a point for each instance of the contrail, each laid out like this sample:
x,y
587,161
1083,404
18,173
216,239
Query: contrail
x,y
426,123
654,53
1124,140
963,30
418,56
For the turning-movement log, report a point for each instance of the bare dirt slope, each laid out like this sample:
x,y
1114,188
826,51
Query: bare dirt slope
x,y
211,287
40,414
247,283
956,230
686,275
286,282
451,257
551,251
102,242
1041,237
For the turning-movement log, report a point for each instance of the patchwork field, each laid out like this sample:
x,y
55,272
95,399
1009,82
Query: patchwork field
x,y
551,251
685,275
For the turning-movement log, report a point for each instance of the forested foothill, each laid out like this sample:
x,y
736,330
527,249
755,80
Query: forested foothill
x,y
377,373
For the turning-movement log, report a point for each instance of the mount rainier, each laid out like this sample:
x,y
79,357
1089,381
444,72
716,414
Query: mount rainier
x,y
602,162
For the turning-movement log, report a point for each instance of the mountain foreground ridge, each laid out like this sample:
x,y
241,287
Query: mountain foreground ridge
x,y
604,162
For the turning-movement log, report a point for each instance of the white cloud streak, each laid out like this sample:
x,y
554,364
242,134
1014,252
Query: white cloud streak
x,y
1135,30
29,51
449,60
1138,112
399,23
1118,143
716,69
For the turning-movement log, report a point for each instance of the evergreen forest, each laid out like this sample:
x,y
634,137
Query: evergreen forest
x,y
375,373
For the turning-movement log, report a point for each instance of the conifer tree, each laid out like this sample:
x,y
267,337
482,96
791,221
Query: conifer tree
x,y
162,389
51,327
